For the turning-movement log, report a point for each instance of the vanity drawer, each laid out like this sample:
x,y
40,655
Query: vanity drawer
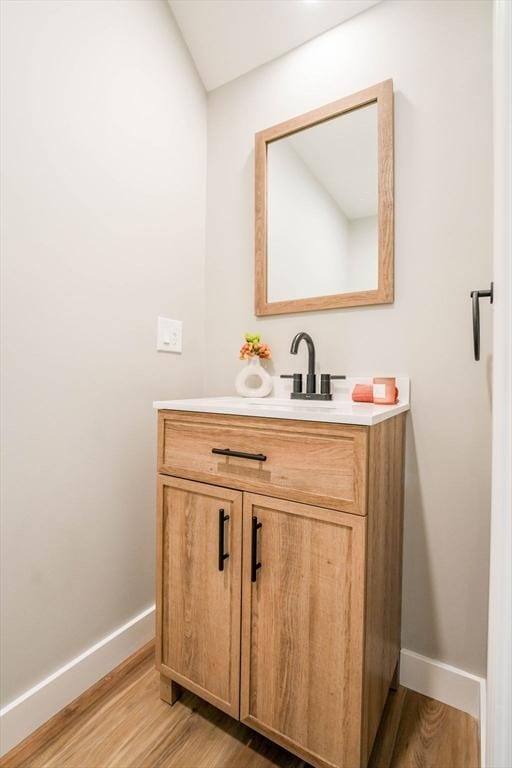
x,y
312,462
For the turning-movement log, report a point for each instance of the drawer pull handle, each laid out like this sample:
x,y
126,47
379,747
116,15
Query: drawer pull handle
x,y
240,454
223,518
254,548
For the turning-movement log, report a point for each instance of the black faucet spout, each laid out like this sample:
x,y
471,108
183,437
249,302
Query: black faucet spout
x,y
325,379
311,377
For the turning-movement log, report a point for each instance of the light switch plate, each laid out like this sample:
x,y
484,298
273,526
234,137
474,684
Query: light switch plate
x,y
169,335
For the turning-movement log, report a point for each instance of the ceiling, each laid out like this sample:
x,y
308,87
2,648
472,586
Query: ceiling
x,y
228,38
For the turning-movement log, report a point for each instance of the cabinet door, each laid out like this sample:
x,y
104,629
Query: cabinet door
x,y
198,590
302,628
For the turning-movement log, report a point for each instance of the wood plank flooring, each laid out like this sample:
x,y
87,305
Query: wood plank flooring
x,y
130,727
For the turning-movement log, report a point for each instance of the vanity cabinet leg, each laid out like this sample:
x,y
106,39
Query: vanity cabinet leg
x,y
169,690
395,680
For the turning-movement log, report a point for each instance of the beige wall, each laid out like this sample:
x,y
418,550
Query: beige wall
x,y
439,56
103,154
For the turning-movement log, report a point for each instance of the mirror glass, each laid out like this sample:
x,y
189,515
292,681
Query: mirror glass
x,y
322,206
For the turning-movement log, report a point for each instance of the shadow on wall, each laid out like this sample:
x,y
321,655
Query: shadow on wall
x,y
488,370
418,608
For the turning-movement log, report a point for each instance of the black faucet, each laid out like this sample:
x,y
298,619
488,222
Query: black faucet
x,y
325,379
311,376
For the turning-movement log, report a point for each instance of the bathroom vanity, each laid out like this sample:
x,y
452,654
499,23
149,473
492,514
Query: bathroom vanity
x,y
280,520
279,566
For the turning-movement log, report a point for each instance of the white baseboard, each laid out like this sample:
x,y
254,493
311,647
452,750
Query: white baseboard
x,y
483,724
22,716
443,682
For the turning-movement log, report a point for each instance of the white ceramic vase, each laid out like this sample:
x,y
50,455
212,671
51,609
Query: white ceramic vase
x,y
253,380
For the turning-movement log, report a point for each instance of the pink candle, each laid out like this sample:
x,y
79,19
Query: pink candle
x,y
384,390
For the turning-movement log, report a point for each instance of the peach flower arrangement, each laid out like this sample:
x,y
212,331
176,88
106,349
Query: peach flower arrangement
x,y
254,347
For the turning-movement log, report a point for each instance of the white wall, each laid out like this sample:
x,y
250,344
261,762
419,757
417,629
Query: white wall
x,y
439,55
103,195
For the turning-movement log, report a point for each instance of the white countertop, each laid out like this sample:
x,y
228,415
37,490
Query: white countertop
x,y
339,410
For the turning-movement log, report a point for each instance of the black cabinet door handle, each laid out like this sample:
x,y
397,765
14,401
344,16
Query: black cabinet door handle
x,y
223,518
240,454
254,548
475,299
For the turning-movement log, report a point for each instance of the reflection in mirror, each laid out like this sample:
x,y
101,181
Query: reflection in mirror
x,y
322,208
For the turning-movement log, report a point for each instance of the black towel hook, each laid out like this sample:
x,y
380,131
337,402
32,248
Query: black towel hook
x,y
475,298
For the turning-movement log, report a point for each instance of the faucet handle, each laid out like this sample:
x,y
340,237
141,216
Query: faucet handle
x,y
325,382
297,381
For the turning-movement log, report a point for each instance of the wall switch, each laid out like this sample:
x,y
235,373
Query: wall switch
x,y
169,335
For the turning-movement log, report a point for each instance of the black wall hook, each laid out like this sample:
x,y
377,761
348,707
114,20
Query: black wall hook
x,y
475,298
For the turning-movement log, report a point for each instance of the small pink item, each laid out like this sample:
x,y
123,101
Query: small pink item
x,y
362,393
385,391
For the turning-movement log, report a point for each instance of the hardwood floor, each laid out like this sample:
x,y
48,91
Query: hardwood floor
x,y
130,727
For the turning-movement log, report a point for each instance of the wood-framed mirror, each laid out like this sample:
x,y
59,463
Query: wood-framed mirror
x,y
324,230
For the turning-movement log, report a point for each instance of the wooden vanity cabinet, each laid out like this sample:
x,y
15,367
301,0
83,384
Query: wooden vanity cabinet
x,y
198,605
302,628
297,632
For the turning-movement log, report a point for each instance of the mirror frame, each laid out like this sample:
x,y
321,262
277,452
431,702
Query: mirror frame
x,y
382,95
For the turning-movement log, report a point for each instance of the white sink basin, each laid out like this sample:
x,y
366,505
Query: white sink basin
x,y
279,402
